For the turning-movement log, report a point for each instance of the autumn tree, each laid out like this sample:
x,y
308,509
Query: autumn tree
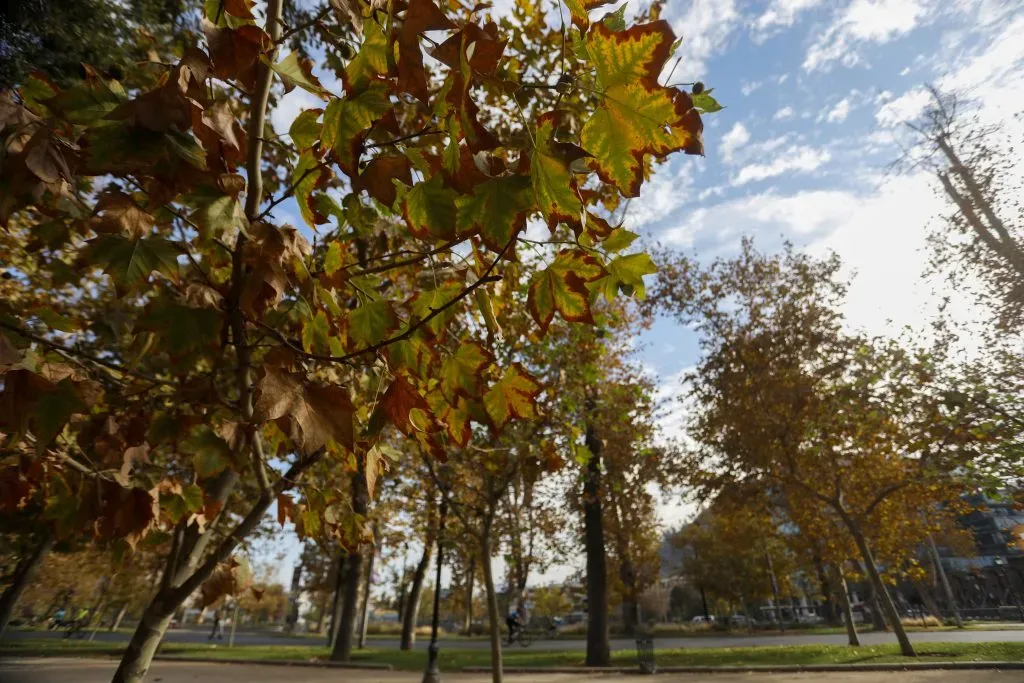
x,y
790,399
176,358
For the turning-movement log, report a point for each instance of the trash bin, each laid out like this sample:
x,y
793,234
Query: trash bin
x,y
645,654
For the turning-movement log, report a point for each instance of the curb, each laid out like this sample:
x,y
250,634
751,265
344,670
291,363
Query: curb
x,y
782,668
313,664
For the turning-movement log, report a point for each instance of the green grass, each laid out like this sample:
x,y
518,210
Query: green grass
x,y
452,659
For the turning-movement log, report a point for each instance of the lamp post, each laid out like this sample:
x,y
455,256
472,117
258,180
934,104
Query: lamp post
x,y
432,674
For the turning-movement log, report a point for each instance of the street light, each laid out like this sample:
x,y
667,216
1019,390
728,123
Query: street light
x,y
432,673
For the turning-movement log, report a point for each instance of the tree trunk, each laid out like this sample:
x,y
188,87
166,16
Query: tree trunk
x,y
467,622
321,622
497,671
341,567
944,582
877,618
598,649
831,617
630,619
412,597
120,616
844,601
23,573
364,617
342,651
906,648
775,591
146,639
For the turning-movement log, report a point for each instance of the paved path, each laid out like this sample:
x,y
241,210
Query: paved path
x,y
97,671
243,638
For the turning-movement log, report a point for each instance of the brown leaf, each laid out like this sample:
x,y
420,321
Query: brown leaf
x,y
133,455
126,513
350,10
118,214
9,353
377,177
421,16
285,508
399,401
235,52
46,157
316,413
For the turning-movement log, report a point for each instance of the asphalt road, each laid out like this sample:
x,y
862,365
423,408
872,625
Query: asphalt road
x,y
98,671
244,638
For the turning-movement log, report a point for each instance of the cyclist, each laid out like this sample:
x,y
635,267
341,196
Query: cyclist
x,y
513,623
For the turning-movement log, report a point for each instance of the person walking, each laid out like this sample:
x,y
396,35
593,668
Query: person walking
x,y
218,628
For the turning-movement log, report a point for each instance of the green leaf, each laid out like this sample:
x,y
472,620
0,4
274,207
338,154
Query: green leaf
x,y
616,21
497,209
56,321
316,334
183,330
562,287
305,129
462,372
637,116
88,102
619,239
53,410
553,185
429,209
578,10
210,453
298,72
427,301
513,396
306,177
370,323
347,120
372,59
705,103
129,262
218,213
334,259
627,273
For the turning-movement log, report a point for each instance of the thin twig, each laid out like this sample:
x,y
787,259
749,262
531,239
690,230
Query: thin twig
x,y
302,27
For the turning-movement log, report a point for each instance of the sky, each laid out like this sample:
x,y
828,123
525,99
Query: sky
x,y
816,92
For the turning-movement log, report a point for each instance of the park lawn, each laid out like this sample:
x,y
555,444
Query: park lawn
x,y
453,659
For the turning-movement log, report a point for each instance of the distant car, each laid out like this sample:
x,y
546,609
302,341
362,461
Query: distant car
x,y
701,619
741,620
808,619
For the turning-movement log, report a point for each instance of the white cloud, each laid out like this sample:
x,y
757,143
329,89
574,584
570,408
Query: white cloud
x,y
802,213
796,159
780,14
748,88
782,79
839,112
705,28
666,191
737,136
783,113
906,107
863,21
904,71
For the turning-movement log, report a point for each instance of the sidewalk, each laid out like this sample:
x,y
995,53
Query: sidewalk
x,y
67,670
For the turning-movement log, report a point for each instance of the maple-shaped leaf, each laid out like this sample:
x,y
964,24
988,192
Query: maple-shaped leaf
x,y
317,338
130,262
513,396
378,177
428,301
118,214
429,209
626,273
562,287
314,413
420,16
472,50
455,417
285,508
305,129
218,213
637,116
236,51
374,465
705,103
618,239
403,405
370,323
578,10
370,61
553,184
415,355
462,372
124,513
210,453
497,210
347,120
229,578
297,71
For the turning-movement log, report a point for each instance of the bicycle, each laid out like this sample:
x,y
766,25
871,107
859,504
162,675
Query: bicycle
x,y
523,636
